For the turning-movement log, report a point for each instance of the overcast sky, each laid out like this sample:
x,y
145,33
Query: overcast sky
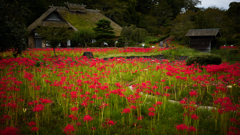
x,y
218,3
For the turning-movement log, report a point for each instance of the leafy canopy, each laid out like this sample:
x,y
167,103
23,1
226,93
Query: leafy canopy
x,y
55,35
104,32
12,25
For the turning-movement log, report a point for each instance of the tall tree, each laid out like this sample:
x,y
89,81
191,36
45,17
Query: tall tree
x,y
83,36
12,26
162,11
55,35
104,32
234,14
181,25
126,34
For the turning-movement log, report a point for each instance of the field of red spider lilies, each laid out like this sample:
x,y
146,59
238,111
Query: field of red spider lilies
x,y
70,94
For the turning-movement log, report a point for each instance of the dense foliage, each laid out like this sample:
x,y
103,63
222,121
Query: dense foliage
x,y
54,36
204,59
104,32
12,26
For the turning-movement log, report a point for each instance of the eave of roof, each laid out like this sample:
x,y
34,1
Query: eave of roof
x,y
202,32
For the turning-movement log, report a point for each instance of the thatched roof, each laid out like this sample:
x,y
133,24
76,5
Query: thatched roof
x,y
75,20
41,20
76,7
202,32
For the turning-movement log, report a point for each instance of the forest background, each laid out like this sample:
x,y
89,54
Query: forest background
x,y
173,17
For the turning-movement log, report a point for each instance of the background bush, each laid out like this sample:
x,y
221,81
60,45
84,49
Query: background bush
x,y
159,39
204,59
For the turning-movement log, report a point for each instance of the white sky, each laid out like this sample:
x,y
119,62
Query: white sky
x,y
217,3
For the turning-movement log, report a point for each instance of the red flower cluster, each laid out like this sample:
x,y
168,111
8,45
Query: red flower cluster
x,y
183,127
87,118
38,108
69,129
126,110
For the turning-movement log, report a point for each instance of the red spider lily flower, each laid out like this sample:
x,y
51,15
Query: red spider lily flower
x,y
166,87
38,108
235,121
193,129
166,94
87,93
126,110
133,107
73,94
79,123
73,109
30,103
110,122
47,81
9,131
159,103
140,117
64,95
195,85
87,118
194,116
151,114
118,85
103,105
5,117
157,93
151,109
163,80
84,104
193,93
69,129
169,74
12,105
154,87
94,96
28,76
99,98
34,129
93,128
31,124
183,101
45,101
182,127
73,117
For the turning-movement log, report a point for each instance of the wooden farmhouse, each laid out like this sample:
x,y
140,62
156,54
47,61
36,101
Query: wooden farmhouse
x,y
74,16
204,40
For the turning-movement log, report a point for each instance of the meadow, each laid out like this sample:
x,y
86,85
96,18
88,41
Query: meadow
x,y
71,94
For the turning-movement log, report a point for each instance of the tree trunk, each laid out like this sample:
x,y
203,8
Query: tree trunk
x,y
54,52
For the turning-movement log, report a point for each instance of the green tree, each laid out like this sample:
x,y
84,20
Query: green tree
x,y
209,18
234,15
55,35
12,26
138,35
104,32
182,24
83,36
162,11
126,34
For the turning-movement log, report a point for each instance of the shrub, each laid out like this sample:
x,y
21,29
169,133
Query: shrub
x,y
233,51
159,39
204,59
145,45
120,42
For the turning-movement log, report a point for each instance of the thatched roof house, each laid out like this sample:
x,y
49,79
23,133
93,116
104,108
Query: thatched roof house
x,y
74,16
204,39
